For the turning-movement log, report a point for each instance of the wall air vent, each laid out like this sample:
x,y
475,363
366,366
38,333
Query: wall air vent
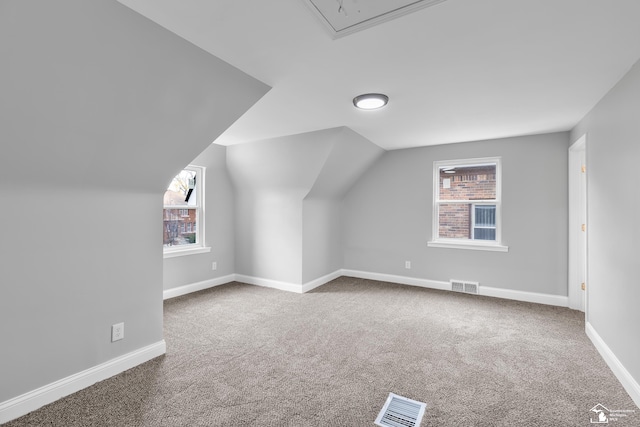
x,y
457,285
463,286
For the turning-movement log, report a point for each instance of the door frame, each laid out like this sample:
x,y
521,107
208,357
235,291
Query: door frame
x,y
578,239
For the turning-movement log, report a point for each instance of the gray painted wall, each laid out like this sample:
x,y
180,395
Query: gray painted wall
x,y
268,236
219,226
271,179
288,199
77,264
322,245
321,238
388,216
95,102
613,151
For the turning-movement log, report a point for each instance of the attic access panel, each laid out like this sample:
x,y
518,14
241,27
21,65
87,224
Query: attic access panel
x,y
343,17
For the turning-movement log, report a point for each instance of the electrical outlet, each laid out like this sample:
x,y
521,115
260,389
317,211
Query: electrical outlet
x,y
214,265
117,332
407,265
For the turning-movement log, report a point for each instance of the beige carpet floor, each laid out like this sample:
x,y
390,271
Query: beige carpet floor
x,y
241,355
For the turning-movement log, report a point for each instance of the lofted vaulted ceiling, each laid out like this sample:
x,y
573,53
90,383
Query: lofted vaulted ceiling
x,y
459,70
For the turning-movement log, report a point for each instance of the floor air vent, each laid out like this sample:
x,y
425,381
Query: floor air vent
x,y
466,287
399,411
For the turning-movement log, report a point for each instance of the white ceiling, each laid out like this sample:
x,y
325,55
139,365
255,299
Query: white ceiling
x,y
460,70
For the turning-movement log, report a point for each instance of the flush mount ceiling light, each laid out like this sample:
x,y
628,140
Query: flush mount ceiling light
x,y
370,101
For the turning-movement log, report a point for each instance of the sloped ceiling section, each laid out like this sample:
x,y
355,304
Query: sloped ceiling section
x,y
321,164
351,155
289,163
461,70
94,94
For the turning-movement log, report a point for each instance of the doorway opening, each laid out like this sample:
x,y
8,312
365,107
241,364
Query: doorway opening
x,y
578,228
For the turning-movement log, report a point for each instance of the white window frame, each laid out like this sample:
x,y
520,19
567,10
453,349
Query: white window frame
x,y
199,247
483,245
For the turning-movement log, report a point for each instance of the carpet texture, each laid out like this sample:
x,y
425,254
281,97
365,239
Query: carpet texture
x,y
241,355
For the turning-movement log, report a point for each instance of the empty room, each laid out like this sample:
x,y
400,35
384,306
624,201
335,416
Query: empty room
x,y
319,213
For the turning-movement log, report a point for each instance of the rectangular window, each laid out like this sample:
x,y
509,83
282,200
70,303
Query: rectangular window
x,y
466,204
183,216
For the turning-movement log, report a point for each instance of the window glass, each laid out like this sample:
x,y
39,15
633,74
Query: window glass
x,y
466,201
484,222
468,182
182,211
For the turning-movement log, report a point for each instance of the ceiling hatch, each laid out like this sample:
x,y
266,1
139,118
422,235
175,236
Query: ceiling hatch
x,y
343,17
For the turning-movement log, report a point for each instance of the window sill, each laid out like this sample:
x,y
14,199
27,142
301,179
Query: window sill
x,y
493,247
187,251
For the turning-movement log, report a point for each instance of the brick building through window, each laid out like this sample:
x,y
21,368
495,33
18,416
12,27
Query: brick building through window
x,y
179,225
471,214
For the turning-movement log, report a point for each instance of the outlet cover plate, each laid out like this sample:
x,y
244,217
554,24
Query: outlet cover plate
x,y
117,332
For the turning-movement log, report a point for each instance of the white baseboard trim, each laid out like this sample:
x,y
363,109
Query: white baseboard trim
x,y
548,299
628,382
32,400
286,286
268,283
539,298
404,280
198,286
321,281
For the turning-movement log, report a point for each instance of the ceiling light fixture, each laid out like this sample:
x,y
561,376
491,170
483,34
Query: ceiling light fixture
x,y
370,101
